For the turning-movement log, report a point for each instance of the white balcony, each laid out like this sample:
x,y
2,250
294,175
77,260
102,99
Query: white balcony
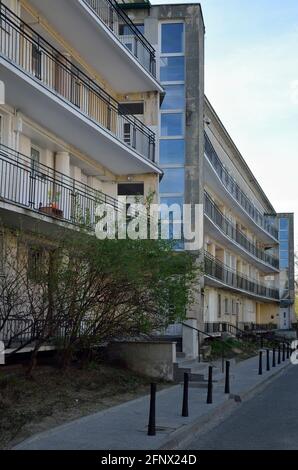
x,y
223,231
93,27
213,181
46,87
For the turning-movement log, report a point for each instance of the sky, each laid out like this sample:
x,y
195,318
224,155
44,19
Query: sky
x,y
252,82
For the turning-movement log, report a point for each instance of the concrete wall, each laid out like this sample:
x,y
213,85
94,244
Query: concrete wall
x,y
269,313
153,359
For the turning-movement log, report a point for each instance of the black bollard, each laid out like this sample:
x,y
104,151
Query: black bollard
x,y
278,357
261,363
268,359
273,358
209,394
185,396
283,352
151,424
227,384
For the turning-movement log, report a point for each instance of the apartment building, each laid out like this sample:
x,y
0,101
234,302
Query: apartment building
x,y
241,250
241,236
80,116
105,99
287,270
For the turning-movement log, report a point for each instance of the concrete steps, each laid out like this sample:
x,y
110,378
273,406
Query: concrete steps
x,y
198,371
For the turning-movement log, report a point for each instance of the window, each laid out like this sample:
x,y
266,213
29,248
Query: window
x,y
130,38
126,30
170,201
132,108
172,117
283,235
227,306
284,246
171,124
172,37
129,134
75,90
175,97
284,263
35,159
36,61
172,69
173,181
283,224
131,189
35,263
172,151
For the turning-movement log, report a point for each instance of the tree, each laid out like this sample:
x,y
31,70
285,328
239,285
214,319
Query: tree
x,y
84,292
109,289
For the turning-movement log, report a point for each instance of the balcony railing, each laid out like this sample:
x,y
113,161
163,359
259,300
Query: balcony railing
x,y
219,271
37,187
228,228
125,31
234,189
26,49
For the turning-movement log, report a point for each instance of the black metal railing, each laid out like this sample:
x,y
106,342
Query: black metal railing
x,y
219,271
223,327
40,188
234,189
18,331
229,229
251,326
125,31
26,49
237,330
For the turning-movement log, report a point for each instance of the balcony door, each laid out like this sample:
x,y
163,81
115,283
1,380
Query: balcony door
x,y
130,132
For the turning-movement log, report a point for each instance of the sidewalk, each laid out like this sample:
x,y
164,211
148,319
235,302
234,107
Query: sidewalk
x,y
125,426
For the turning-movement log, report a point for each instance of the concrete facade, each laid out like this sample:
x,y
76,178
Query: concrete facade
x,y
241,244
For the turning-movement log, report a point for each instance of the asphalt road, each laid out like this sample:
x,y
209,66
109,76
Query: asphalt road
x,y
267,421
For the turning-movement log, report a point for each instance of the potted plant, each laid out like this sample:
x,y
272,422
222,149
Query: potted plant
x,y
52,208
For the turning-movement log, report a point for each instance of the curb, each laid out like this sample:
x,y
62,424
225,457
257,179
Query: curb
x,y
183,436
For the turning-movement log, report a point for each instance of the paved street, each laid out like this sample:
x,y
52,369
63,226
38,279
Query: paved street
x,y
267,421
125,426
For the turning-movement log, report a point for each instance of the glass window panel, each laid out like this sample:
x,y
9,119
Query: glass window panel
x,y
171,151
126,30
175,97
284,246
172,37
283,224
171,201
172,69
173,181
283,263
284,255
283,235
171,124
131,189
